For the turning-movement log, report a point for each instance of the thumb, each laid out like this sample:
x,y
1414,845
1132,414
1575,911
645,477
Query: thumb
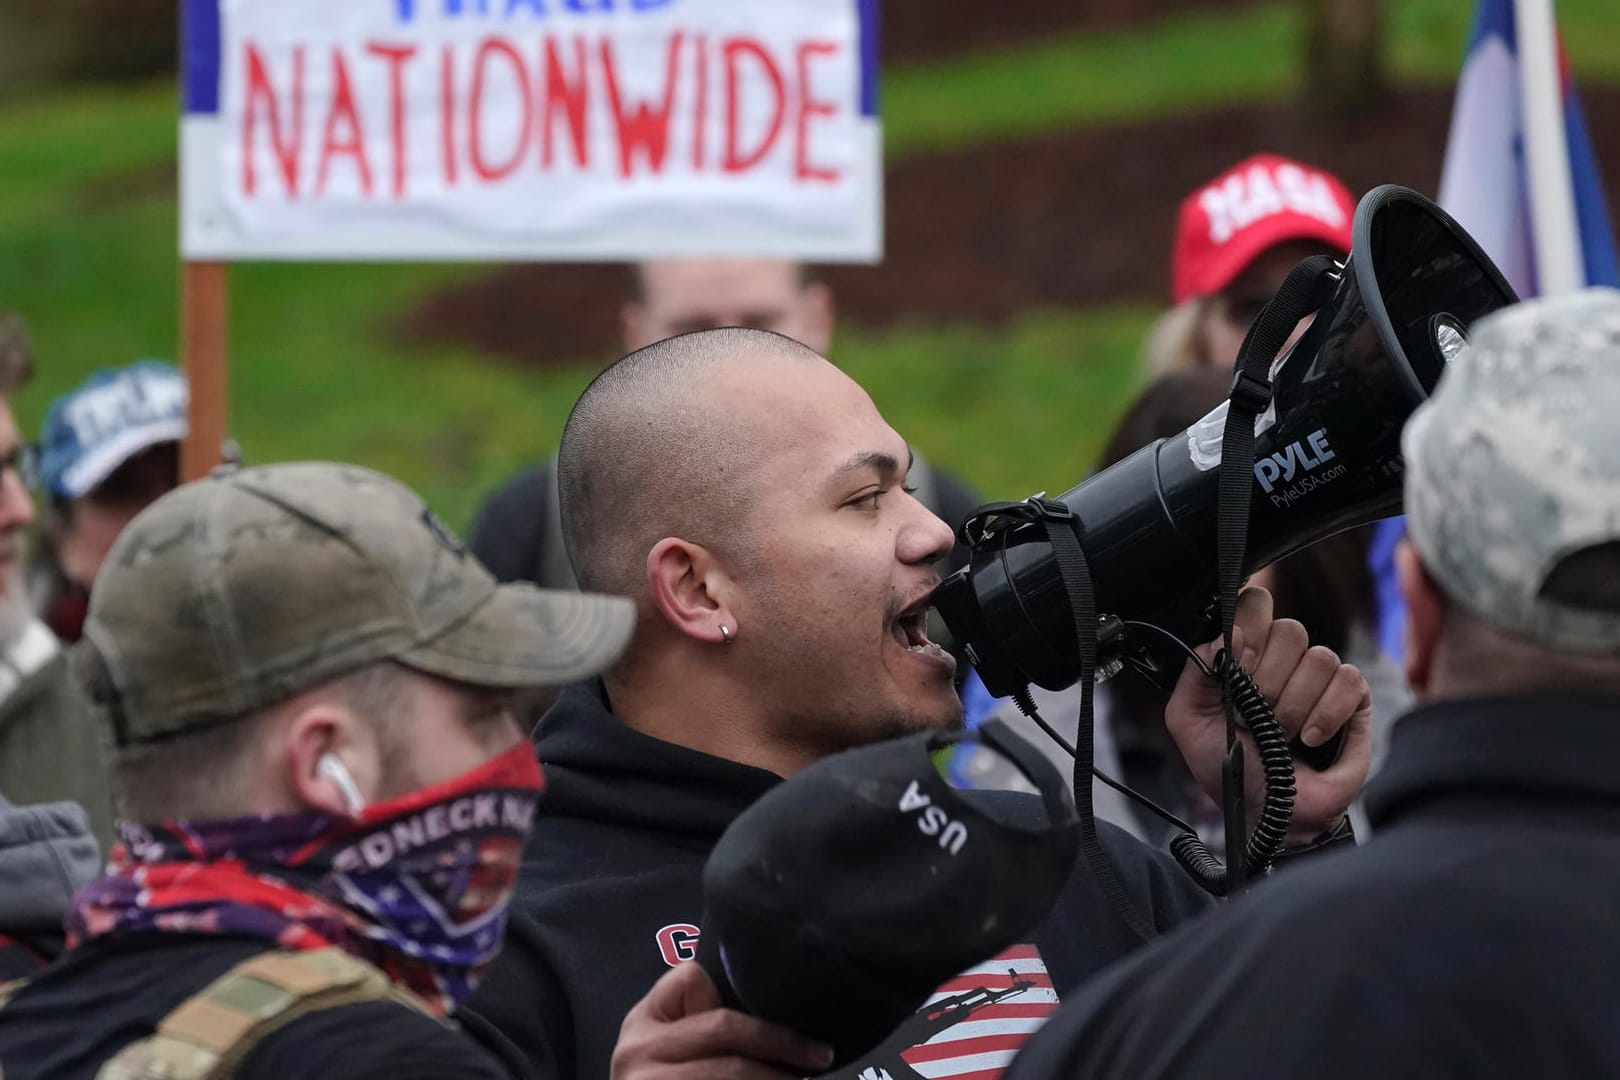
x,y
1196,690
698,992
685,990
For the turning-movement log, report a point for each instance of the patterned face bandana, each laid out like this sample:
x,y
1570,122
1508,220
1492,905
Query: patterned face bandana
x,y
417,885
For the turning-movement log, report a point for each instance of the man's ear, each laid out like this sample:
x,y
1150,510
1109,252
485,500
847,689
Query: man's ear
x,y
691,590
317,726
820,316
1425,614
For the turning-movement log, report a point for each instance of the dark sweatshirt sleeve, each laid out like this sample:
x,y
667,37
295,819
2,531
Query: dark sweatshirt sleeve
x,y
520,1013
1082,933
1154,878
507,533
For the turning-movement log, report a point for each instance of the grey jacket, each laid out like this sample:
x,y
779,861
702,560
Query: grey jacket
x,y
46,854
50,742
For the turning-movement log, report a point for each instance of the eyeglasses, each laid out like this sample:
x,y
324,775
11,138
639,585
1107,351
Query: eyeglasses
x,y
24,458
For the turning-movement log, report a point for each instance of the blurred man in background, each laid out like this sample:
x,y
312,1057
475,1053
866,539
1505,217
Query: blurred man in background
x,y
109,448
1475,935
50,748
518,531
307,681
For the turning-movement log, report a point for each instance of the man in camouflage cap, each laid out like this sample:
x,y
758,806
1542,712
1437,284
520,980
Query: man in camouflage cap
x,y
306,681
1476,934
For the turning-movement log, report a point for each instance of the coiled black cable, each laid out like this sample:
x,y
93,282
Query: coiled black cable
x,y
1276,761
1277,809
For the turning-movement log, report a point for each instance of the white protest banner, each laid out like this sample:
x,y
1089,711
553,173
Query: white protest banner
x,y
530,129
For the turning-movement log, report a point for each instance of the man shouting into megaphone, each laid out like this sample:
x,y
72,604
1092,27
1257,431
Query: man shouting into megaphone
x,y
750,498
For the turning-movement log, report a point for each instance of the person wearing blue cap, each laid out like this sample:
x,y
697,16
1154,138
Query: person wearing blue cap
x,y
50,748
109,448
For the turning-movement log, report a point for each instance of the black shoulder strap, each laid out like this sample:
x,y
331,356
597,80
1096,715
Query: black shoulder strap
x,y
1302,292
1062,533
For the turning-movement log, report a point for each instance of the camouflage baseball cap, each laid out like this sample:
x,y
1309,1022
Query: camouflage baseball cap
x,y
233,593
1514,466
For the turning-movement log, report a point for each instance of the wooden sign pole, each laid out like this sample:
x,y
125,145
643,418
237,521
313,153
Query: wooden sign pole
x,y
203,352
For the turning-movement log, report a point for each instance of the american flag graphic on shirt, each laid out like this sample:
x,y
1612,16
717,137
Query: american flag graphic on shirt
x,y
972,1026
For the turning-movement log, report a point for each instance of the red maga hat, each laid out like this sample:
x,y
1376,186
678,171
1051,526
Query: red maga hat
x,y
1256,204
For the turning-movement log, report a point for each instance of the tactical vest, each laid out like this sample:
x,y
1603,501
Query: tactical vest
x,y
208,1035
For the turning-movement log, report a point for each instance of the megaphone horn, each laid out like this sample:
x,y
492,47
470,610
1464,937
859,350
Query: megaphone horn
x,y
1327,458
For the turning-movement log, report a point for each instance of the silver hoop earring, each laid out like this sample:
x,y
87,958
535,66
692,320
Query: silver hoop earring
x,y
725,635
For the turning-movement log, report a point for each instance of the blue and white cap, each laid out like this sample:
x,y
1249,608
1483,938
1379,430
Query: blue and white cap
x,y
114,415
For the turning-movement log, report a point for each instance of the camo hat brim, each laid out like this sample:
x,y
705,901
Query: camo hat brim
x,y
1513,466
526,636
233,593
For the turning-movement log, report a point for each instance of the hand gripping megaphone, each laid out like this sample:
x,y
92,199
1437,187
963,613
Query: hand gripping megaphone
x,y
1326,458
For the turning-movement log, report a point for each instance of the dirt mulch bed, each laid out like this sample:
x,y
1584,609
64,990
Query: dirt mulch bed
x,y
1069,220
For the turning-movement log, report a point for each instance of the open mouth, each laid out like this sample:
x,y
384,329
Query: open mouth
x,y
910,631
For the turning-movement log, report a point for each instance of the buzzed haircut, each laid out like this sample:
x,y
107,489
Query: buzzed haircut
x,y
651,451
202,774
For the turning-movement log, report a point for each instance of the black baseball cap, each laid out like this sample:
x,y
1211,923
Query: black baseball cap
x,y
838,902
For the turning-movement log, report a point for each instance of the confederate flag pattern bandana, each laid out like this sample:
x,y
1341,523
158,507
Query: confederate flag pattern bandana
x,y
417,885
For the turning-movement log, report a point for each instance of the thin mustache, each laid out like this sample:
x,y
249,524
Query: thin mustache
x,y
916,598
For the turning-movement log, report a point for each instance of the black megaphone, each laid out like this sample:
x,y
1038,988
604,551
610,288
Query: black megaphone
x,y
1327,458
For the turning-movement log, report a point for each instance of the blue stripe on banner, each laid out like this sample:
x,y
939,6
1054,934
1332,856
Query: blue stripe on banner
x,y
1493,18
868,10
1591,209
199,36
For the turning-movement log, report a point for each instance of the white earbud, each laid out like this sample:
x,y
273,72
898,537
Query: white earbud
x,y
331,766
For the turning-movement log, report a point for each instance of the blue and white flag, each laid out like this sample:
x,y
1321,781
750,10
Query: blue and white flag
x,y
1483,184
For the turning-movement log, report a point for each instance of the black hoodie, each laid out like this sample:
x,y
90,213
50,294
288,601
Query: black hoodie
x,y
611,893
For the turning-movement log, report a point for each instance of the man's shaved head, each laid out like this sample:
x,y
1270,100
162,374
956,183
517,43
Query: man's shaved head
x,y
653,448
753,501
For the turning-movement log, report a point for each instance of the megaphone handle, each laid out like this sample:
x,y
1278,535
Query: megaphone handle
x,y
1321,757
1158,654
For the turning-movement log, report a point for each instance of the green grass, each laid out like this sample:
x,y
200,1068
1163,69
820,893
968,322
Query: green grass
x,y
1184,64
1015,409
1427,38
87,252
315,372
52,151
1079,79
